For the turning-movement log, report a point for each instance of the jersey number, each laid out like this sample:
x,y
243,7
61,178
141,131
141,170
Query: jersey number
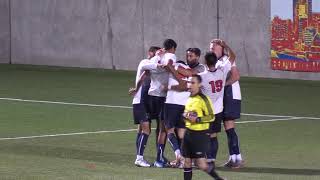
x,y
216,86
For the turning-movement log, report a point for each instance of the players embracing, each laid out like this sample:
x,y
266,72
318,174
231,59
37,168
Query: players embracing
x,y
169,93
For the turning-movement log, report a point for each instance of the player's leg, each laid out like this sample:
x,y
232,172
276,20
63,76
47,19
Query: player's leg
x,y
215,128
161,161
138,136
208,168
231,113
185,148
172,113
187,170
140,115
199,146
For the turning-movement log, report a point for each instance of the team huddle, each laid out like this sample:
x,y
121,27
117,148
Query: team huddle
x,y
189,102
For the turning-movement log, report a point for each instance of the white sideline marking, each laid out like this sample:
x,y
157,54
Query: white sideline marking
x,y
67,134
128,130
129,107
269,120
65,103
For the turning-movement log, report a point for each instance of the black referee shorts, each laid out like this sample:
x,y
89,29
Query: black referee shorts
x,y
195,144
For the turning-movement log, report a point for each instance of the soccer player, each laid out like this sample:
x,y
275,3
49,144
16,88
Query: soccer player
x,y
232,101
158,93
141,108
174,108
198,115
213,82
193,57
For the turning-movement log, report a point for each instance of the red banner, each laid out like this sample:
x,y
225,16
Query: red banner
x,y
290,65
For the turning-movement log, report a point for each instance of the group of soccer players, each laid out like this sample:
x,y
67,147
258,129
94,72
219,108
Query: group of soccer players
x,y
189,102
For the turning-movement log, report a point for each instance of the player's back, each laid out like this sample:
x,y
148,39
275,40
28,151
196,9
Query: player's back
x,y
137,97
213,83
224,62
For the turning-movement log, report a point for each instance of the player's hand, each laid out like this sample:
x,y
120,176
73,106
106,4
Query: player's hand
x,y
165,87
161,65
169,67
191,116
160,52
132,91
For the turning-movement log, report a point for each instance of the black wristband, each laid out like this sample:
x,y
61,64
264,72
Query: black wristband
x,y
198,120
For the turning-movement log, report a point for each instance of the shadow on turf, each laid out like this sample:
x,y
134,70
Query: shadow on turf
x,y
118,158
68,153
270,170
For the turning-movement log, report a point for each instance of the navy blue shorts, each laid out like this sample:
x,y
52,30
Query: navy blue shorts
x,y
156,107
232,107
140,114
173,116
215,126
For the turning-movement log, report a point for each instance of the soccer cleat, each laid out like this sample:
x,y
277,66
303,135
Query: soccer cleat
x,y
178,162
233,165
229,164
159,164
142,163
239,164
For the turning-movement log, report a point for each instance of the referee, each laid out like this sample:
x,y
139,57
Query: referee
x,y
198,114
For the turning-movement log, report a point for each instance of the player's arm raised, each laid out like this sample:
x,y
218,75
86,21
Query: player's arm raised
x,y
182,86
234,72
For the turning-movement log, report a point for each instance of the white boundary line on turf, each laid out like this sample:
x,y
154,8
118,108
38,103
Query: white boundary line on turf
x,y
270,120
127,130
67,134
129,107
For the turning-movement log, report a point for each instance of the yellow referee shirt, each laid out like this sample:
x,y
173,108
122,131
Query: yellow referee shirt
x,y
202,105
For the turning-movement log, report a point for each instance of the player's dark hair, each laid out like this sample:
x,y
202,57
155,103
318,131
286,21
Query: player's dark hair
x,y
154,49
196,51
169,44
181,62
210,59
198,77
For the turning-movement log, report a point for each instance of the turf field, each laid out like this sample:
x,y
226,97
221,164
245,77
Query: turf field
x,y
87,117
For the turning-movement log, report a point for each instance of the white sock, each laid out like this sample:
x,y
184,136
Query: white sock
x,y
177,153
233,158
239,157
139,157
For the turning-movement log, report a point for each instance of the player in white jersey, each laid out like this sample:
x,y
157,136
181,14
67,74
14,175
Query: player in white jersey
x,y
176,100
140,109
173,111
157,93
232,101
213,82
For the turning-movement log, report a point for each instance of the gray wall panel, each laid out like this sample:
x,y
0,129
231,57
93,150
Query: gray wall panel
x,y
4,32
63,33
190,23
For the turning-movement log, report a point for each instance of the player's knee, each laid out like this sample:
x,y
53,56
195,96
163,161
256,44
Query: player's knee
x,y
213,135
171,130
145,128
228,125
203,166
187,163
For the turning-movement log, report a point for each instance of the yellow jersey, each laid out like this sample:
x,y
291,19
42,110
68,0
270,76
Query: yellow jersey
x,y
202,105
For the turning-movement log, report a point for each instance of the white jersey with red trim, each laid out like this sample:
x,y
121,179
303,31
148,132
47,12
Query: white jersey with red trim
x,y
160,77
145,64
224,62
213,83
176,97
